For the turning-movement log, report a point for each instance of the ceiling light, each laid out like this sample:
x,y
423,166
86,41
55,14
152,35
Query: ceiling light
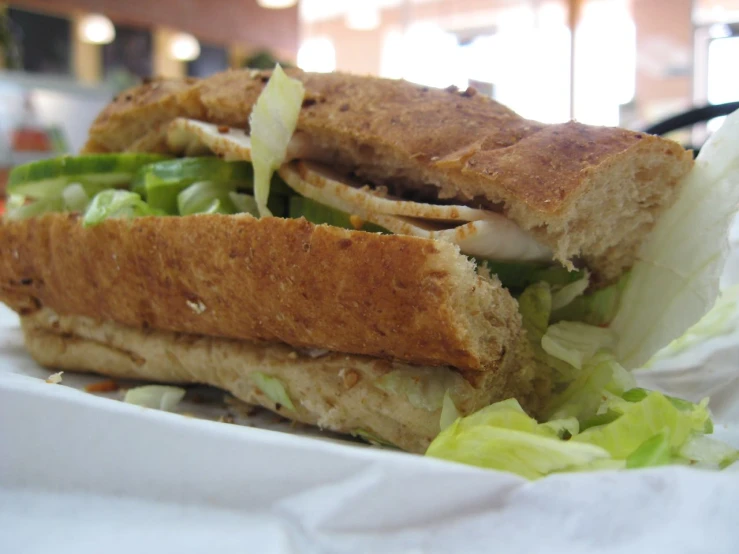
x,y
277,4
96,29
184,47
363,17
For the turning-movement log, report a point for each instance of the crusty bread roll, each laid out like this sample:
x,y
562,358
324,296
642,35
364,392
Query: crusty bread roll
x,y
268,279
587,192
335,391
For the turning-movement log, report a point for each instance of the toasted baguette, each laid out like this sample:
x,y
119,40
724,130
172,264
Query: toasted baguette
x,y
272,279
588,192
334,391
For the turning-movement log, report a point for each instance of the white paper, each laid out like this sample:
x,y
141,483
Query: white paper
x,y
82,473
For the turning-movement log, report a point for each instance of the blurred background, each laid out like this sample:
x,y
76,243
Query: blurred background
x,y
631,63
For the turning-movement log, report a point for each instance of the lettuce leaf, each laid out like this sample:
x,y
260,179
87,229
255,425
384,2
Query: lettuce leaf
x,y
655,451
643,420
676,278
273,120
706,452
115,203
424,387
449,412
564,296
574,342
160,397
721,320
273,389
596,308
503,437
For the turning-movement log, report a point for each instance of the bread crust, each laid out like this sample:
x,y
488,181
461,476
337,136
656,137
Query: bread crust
x,y
267,279
334,391
557,181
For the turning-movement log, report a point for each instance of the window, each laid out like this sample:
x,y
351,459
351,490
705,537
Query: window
x,y
50,55
212,59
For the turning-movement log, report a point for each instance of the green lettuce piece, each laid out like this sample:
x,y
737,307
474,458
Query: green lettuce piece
x,y
160,397
273,120
568,293
75,198
655,451
562,428
600,419
582,398
675,280
721,320
206,197
424,387
596,308
244,203
706,452
535,306
273,389
574,342
19,207
503,437
115,203
516,276
639,394
449,412
641,421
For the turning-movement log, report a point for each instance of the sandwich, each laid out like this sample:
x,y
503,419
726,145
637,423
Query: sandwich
x,y
366,255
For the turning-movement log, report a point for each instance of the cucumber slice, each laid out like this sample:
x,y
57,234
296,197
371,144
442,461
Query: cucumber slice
x,y
320,213
162,182
94,172
516,276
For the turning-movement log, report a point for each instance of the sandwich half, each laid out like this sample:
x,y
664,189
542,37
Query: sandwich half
x,y
377,290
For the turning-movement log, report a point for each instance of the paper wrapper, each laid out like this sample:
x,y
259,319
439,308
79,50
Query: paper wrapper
x,y
82,473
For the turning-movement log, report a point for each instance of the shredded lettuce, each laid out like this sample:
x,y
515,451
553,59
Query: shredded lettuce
x,y
115,203
449,412
273,389
676,278
206,197
721,320
706,452
650,432
19,207
160,397
503,437
244,203
596,308
273,120
655,451
564,296
424,387
644,419
535,306
582,398
574,342
75,198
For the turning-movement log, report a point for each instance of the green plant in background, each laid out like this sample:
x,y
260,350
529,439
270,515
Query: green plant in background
x,y
10,54
264,59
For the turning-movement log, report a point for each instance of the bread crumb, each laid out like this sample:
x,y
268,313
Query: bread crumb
x,y
197,307
293,355
350,377
55,378
356,221
227,418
